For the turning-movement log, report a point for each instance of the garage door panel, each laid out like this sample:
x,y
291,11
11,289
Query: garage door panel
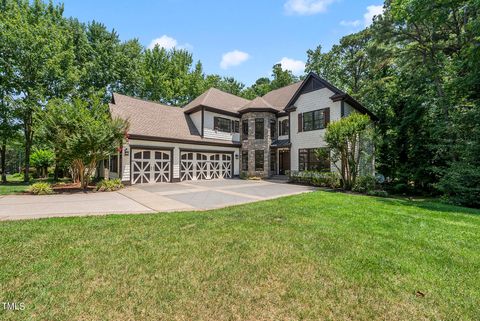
x,y
151,166
199,165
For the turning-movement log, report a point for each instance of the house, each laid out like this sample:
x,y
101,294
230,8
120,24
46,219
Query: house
x,y
220,135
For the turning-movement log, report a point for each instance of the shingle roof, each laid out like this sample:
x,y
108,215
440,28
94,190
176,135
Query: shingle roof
x,y
279,98
152,119
217,99
259,103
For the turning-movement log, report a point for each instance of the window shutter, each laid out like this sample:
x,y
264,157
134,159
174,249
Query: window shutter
x,y
326,117
300,123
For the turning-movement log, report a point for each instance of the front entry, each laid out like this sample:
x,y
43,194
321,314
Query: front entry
x,y
283,161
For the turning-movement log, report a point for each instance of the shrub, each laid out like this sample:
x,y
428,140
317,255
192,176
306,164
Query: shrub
x,y
109,185
41,159
363,184
461,185
324,179
377,192
41,188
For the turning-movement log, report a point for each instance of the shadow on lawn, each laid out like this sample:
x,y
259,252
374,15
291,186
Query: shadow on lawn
x,y
429,204
423,203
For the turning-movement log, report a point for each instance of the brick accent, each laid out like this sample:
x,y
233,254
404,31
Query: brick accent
x,y
252,144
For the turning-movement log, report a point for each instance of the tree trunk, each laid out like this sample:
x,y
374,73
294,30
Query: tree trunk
x,y
28,144
3,152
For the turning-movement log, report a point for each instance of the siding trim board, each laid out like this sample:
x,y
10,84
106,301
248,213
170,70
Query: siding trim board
x,y
184,141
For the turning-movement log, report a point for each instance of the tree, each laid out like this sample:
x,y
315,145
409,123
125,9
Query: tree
x,y
41,159
281,78
348,141
41,60
85,134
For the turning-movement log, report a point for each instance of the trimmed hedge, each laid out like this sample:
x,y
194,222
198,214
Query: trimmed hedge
x,y
314,178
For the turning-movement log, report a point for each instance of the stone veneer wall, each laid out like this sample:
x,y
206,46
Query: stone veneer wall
x,y
253,144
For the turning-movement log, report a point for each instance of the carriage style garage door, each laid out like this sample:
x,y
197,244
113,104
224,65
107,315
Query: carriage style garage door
x,y
151,166
199,165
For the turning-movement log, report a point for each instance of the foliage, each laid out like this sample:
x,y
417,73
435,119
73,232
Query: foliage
x,y
364,184
83,133
41,188
109,185
418,68
315,178
461,184
377,192
42,159
348,140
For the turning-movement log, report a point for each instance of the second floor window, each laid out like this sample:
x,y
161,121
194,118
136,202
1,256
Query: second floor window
x,y
259,128
273,128
283,127
222,124
313,120
226,125
244,129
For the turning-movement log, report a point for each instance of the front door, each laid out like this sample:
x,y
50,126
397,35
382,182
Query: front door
x,y
283,161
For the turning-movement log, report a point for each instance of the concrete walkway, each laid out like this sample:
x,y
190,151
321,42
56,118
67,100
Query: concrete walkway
x,y
151,198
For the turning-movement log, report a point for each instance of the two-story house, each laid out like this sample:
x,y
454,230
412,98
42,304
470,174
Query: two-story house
x,y
220,135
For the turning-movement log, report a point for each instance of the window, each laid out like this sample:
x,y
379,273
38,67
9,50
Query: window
x,y
273,160
259,160
313,120
259,128
244,129
236,125
273,128
114,164
222,124
244,160
283,127
308,160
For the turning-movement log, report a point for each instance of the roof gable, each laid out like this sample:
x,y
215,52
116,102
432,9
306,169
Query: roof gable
x,y
314,82
217,100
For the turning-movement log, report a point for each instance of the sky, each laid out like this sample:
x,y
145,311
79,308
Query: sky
x,y
239,38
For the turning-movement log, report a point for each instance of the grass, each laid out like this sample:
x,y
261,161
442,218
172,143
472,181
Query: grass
x,y
15,184
316,256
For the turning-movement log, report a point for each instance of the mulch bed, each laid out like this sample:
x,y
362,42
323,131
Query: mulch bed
x,y
71,188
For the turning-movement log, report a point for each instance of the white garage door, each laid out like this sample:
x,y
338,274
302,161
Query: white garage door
x,y
151,166
198,165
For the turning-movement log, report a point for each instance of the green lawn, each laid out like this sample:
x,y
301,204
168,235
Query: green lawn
x,y
14,185
316,256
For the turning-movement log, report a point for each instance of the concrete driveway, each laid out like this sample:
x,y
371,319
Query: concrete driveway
x,y
164,197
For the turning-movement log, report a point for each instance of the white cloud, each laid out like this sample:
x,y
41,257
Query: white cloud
x,y
306,7
233,58
371,12
350,23
297,67
168,43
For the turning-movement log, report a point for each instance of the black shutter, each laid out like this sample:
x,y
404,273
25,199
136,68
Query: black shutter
x,y
326,117
300,123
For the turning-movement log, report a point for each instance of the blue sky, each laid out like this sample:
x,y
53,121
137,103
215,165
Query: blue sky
x,y
241,38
